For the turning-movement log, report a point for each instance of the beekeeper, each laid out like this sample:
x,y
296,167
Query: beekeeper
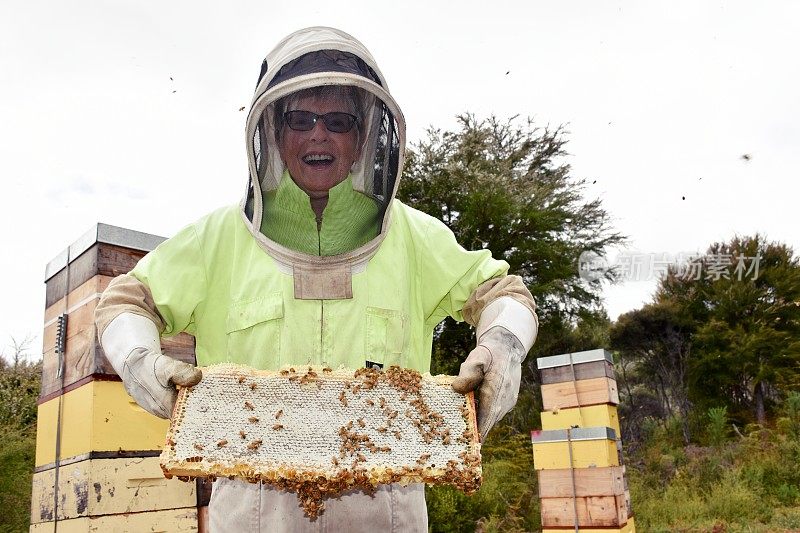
x,y
319,264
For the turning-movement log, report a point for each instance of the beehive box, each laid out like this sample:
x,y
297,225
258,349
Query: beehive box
x,y
320,431
594,391
629,527
167,521
600,481
577,380
592,511
98,416
576,366
95,487
584,447
604,415
74,281
602,498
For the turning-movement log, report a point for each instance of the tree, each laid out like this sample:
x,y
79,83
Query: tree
x,y
504,185
19,390
654,345
747,343
19,387
722,331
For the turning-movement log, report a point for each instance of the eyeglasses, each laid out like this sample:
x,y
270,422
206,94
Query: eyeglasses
x,y
336,122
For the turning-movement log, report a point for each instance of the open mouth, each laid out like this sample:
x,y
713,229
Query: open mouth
x,y
318,160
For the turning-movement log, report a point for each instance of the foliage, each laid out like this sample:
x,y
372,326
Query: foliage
x,y
19,390
503,186
653,349
751,483
790,422
717,429
17,451
729,338
507,499
746,346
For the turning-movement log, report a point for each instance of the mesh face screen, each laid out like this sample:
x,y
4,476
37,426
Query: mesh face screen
x,y
319,431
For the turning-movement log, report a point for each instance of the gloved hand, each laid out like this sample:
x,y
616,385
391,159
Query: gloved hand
x,y
506,331
132,346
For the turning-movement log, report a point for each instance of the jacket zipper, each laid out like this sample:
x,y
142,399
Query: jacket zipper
x,y
321,302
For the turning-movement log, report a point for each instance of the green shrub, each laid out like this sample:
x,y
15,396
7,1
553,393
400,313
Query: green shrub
x,y
449,510
792,414
717,428
17,452
19,390
732,500
787,494
507,499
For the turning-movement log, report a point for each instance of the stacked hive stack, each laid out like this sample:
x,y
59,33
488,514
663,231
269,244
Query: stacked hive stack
x,y
578,453
97,451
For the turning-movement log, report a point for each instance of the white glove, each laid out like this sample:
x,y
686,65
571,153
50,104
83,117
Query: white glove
x,y
505,332
132,346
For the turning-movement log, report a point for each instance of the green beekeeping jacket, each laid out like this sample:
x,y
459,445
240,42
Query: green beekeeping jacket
x,y
213,280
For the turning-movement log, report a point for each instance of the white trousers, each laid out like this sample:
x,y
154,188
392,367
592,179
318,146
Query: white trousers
x,y
240,507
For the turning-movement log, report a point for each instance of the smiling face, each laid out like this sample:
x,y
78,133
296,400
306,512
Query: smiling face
x,y
319,159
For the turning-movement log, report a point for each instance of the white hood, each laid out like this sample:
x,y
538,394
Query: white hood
x,y
308,58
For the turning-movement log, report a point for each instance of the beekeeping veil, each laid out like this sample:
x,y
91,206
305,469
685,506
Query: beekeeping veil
x,y
308,58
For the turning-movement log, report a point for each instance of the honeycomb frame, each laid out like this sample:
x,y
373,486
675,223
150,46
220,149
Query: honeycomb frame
x,y
320,431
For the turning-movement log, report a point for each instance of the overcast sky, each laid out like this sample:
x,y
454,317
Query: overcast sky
x,y
127,112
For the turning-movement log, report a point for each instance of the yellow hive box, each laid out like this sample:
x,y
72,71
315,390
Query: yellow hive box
x,y
584,417
590,447
172,520
97,416
96,487
629,527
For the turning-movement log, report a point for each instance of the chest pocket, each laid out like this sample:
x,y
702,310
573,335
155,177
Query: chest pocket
x,y
253,330
387,336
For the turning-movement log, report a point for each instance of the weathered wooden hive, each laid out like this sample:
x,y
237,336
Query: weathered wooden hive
x,y
97,451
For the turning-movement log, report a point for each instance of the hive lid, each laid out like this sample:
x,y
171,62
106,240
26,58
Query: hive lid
x,y
578,357
560,435
106,234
